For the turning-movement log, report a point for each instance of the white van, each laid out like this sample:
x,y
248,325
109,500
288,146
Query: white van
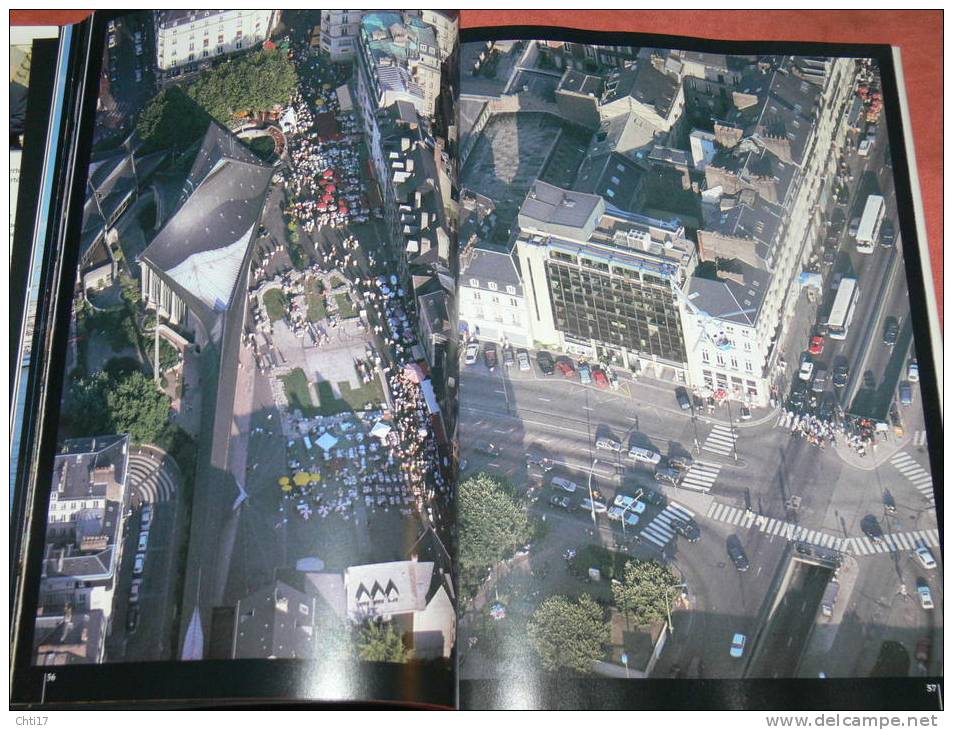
x,y
608,444
646,456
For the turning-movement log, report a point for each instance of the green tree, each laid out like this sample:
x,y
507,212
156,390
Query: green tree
x,y
86,410
645,591
379,642
569,634
171,121
136,406
492,523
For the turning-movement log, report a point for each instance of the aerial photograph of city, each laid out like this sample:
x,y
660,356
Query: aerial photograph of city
x,y
255,456
692,437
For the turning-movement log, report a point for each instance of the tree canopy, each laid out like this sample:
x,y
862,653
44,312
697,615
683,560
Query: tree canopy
x,y
492,523
171,121
380,642
569,634
250,83
124,402
646,589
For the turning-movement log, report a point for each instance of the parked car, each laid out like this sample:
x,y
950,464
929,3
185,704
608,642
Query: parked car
x,y
906,393
817,345
472,353
888,235
891,330
146,516
807,367
489,356
561,501
925,556
585,374
545,362
139,564
608,444
686,528
926,598
684,402
737,554
600,377
668,476
508,358
646,456
132,619
143,541
621,514
841,375
488,448
522,359
564,484
854,225
593,505
737,646
566,368
135,589
913,372
820,380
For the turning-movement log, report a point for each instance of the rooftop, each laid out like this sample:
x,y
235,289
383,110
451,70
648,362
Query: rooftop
x,y
645,84
737,301
578,82
546,204
384,589
485,265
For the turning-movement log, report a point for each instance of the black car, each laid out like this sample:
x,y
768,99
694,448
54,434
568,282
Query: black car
x,y
830,256
682,463
840,376
560,501
508,357
687,529
684,402
798,395
737,554
546,363
871,527
870,380
888,236
826,409
538,460
650,496
132,619
891,330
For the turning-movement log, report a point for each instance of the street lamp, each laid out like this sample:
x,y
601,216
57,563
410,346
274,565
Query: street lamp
x,y
592,502
731,429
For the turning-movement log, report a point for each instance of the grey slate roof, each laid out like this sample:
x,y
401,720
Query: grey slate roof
x,y
730,300
645,84
601,173
276,621
202,247
578,82
548,204
488,265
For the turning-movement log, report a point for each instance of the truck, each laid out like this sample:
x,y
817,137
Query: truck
x,y
869,229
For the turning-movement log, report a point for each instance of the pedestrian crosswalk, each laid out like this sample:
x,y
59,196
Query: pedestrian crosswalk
x,y
890,542
721,440
919,438
659,530
701,476
916,474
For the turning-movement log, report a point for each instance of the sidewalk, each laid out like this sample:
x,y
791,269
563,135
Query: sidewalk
x,y
881,453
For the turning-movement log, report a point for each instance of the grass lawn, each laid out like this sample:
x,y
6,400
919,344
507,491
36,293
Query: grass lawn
x,y
275,304
316,308
263,146
296,390
345,307
352,399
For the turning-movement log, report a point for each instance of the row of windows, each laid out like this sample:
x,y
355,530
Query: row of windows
x,y
720,360
493,286
721,380
496,300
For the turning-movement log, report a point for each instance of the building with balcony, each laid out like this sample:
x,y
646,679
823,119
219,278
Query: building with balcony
x,y
339,30
185,37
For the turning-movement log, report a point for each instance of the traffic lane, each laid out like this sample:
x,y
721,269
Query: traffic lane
x,y
723,600
784,638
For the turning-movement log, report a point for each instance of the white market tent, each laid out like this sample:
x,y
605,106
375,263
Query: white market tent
x,y
327,441
380,430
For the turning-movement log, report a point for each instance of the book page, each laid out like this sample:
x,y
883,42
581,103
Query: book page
x,y
254,454
698,437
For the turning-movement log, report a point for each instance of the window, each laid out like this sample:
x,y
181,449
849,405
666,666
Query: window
x,y
474,282
719,358
205,53
205,43
510,289
304,609
492,285
512,302
734,363
705,356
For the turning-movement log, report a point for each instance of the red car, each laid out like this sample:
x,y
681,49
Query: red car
x,y
566,368
600,377
817,345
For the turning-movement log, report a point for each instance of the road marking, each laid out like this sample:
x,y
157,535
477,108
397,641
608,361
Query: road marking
x,y
700,476
545,400
499,391
917,475
721,440
500,430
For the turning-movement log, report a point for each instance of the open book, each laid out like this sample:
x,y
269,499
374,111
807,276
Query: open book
x,y
511,369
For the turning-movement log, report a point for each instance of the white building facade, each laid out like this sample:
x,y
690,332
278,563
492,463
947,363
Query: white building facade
x,y
189,36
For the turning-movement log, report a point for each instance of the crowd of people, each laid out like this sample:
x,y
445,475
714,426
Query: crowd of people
x,y
325,182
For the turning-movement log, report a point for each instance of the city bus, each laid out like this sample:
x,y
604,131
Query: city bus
x,y
843,309
870,221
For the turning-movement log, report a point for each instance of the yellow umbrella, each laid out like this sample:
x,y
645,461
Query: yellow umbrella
x,y
285,488
284,480
301,478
